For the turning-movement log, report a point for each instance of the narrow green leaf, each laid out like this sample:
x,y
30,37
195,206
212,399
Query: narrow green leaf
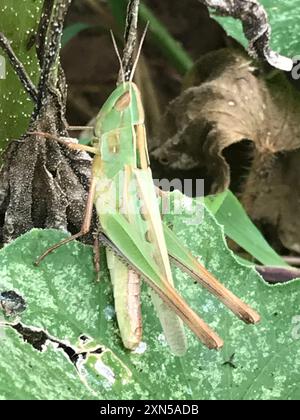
x,y
241,229
158,33
214,202
73,30
163,40
118,10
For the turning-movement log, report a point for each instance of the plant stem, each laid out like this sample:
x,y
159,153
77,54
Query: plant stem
x,y
160,36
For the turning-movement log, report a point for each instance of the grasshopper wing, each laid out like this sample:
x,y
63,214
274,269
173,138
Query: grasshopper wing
x,y
121,236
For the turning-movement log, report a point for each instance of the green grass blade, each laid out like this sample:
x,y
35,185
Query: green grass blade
x,y
241,229
118,10
71,31
214,202
169,47
160,36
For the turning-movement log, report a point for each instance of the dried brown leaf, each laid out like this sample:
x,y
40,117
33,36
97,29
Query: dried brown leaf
x,y
230,99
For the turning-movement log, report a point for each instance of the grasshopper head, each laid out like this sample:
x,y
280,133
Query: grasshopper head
x,y
122,109
116,127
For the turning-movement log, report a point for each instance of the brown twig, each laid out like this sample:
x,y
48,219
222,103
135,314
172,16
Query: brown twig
x,y
18,67
130,36
256,28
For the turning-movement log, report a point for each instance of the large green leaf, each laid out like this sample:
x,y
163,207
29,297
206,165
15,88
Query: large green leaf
x,y
19,23
284,19
28,374
63,300
238,226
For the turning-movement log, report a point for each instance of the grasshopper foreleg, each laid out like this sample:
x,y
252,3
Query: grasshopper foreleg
x,y
79,127
65,141
86,224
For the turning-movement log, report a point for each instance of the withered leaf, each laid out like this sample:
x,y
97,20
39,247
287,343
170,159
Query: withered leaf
x,y
228,100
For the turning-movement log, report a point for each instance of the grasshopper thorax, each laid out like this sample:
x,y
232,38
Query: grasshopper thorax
x,y
123,108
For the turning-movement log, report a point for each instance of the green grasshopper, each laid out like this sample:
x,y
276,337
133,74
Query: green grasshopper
x,y
138,244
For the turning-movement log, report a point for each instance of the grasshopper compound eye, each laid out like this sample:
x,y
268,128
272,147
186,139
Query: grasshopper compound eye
x,y
11,303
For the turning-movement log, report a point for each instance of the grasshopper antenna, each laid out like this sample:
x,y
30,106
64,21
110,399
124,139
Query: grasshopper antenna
x,y
122,72
139,53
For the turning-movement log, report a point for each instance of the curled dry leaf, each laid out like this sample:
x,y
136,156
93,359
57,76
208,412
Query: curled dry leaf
x,y
228,100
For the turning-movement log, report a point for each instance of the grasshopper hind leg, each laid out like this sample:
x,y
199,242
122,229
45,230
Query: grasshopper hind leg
x,y
96,259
